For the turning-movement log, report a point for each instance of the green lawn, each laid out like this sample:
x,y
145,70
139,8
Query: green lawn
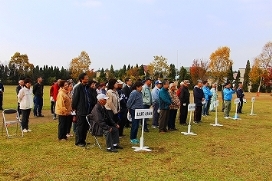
x,y
240,150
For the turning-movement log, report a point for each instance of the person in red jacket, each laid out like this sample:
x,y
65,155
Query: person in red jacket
x,y
53,98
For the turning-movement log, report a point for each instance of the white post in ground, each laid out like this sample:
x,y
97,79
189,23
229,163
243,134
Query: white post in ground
x,y
216,104
191,108
252,106
142,114
236,101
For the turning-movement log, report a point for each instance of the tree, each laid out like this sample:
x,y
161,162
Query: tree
x,y
159,67
230,75
172,72
246,77
255,74
103,76
79,64
220,64
20,65
198,70
111,73
237,79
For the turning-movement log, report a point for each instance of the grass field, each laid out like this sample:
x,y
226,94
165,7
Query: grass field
x,y
240,150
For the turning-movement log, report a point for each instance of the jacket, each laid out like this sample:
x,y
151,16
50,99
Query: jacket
x,y
55,91
155,95
25,98
147,98
113,102
135,100
184,95
228,94
198,96
126,90
81,101
207,93
240,93
175,100
165,99
63,104
100,120
38,90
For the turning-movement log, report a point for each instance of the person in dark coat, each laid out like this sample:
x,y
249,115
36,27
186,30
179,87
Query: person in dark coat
x,y
198,100
240,94
99,115
38,98
127,90
81,104
184,98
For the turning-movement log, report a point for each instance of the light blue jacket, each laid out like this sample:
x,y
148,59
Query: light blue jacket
x,y
207,93
228,94
155,95
147,98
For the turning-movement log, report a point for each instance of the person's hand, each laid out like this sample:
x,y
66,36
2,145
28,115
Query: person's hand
x,y
117,126
110,130
184,104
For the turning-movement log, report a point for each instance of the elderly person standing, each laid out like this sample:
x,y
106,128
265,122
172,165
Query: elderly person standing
x,y
155,103
63,109
147,99
173,107
113,102
165,102
184,98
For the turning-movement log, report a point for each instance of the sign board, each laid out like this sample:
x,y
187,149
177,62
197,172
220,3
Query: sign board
x,y
143,113
191,107
253,99
236,101
216,103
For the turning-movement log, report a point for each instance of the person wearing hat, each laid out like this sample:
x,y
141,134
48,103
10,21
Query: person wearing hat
x,y
155,103
127,90
123,108
228,91
100,116
198,100
147,99
173,107
184,98
165,102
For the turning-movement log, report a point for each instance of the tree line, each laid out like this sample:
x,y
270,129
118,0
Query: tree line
x,y
218,69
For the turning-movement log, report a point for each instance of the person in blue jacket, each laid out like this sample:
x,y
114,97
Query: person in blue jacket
x,y
207,95
228,91
164,106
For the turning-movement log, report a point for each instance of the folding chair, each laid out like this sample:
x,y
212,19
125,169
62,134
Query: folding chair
x,y
91,132
9,120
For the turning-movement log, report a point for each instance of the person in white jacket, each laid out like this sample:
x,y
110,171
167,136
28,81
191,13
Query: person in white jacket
x,y
25,98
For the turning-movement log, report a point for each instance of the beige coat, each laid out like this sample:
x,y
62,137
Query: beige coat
x,y
113,103
63,103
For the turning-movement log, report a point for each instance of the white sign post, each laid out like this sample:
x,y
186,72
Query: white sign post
x,y
216,104
191,108
236,101
142,114
252,106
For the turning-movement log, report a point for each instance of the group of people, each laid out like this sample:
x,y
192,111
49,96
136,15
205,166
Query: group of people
x,y
110,106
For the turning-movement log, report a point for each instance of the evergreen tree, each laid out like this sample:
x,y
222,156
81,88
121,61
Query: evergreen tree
x,y
172,72
102,76
111,72
141,71
230,75
237,79
246,77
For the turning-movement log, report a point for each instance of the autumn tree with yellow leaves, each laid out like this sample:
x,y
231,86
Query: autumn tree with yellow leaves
x,y
159,68
19,64
80,64
220,64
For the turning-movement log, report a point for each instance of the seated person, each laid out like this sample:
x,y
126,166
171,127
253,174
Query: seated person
x,y
99,115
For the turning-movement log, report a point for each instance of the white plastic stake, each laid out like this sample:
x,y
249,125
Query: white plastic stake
x,y
216,104
252,106
236,101
191,108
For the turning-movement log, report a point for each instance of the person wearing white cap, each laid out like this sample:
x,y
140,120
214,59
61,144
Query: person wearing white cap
x,y
100,116
155,103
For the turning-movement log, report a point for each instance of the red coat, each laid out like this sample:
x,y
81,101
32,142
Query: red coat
x,y
55,91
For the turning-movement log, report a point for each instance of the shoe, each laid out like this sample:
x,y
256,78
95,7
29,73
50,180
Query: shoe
x,y
29,130
112,150
174,129
117,147
63,139
134,141
25,130
68,135
195,122
41,115
54,118
146,130
226,117
153,126
81,145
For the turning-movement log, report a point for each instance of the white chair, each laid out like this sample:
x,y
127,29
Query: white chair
x,y
9,120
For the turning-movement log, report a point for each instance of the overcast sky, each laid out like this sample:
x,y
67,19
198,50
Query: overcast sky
x,y
118,32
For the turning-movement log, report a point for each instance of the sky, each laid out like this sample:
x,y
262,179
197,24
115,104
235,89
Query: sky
x,y
118,32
